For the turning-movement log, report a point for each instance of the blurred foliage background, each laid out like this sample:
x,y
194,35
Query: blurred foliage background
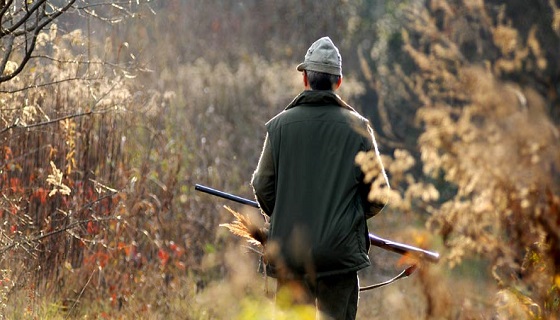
x,y
110,113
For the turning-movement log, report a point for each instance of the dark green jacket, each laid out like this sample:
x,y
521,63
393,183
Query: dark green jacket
x,y
308,183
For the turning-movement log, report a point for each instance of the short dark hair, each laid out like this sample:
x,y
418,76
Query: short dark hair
x,y
321,80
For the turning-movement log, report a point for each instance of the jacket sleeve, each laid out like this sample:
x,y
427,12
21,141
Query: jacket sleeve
x,y
372,208
263,181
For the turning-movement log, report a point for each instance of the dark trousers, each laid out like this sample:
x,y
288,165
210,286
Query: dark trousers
x,y
335,297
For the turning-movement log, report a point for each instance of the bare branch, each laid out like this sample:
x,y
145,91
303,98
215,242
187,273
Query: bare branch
x,y
24,18
8,51
21,22
45,123
42,20
35,86
28,50
4,9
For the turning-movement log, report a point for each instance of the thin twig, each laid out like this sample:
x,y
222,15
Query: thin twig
x,y
29,242
35,86
40,124
80,295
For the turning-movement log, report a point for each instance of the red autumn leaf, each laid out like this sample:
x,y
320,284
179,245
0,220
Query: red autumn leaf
x,y
92,228
125,247
128,250
177,250
121,245
89,192
163,256
180,265
102,259
41,194
7,153
173,246
113,299
14,184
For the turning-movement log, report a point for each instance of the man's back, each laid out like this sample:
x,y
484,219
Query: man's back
x,y
318,217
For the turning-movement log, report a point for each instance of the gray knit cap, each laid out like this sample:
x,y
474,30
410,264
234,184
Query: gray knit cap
x,y
322,56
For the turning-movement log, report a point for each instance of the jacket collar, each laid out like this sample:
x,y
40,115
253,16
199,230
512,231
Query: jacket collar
x,y
319,97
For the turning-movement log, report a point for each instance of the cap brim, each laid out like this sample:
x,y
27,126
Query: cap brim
x,y
319,67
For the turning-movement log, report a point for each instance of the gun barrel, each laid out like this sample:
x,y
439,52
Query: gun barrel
x,y
226,195
374,240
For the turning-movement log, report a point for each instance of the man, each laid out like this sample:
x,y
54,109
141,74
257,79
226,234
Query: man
x,y
307,181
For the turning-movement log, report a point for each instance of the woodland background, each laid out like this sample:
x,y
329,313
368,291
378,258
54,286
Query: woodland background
x,y
110,112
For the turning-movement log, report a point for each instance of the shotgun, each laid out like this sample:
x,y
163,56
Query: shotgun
x,y
374,240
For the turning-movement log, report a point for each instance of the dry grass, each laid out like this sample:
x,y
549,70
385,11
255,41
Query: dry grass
x,y
122,234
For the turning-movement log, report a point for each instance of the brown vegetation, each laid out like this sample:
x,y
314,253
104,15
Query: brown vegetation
x,y
104,136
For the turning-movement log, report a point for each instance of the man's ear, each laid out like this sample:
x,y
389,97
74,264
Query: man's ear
x,y
305,81
338,83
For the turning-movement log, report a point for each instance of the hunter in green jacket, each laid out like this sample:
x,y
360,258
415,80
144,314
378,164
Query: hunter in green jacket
x,y
309,184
